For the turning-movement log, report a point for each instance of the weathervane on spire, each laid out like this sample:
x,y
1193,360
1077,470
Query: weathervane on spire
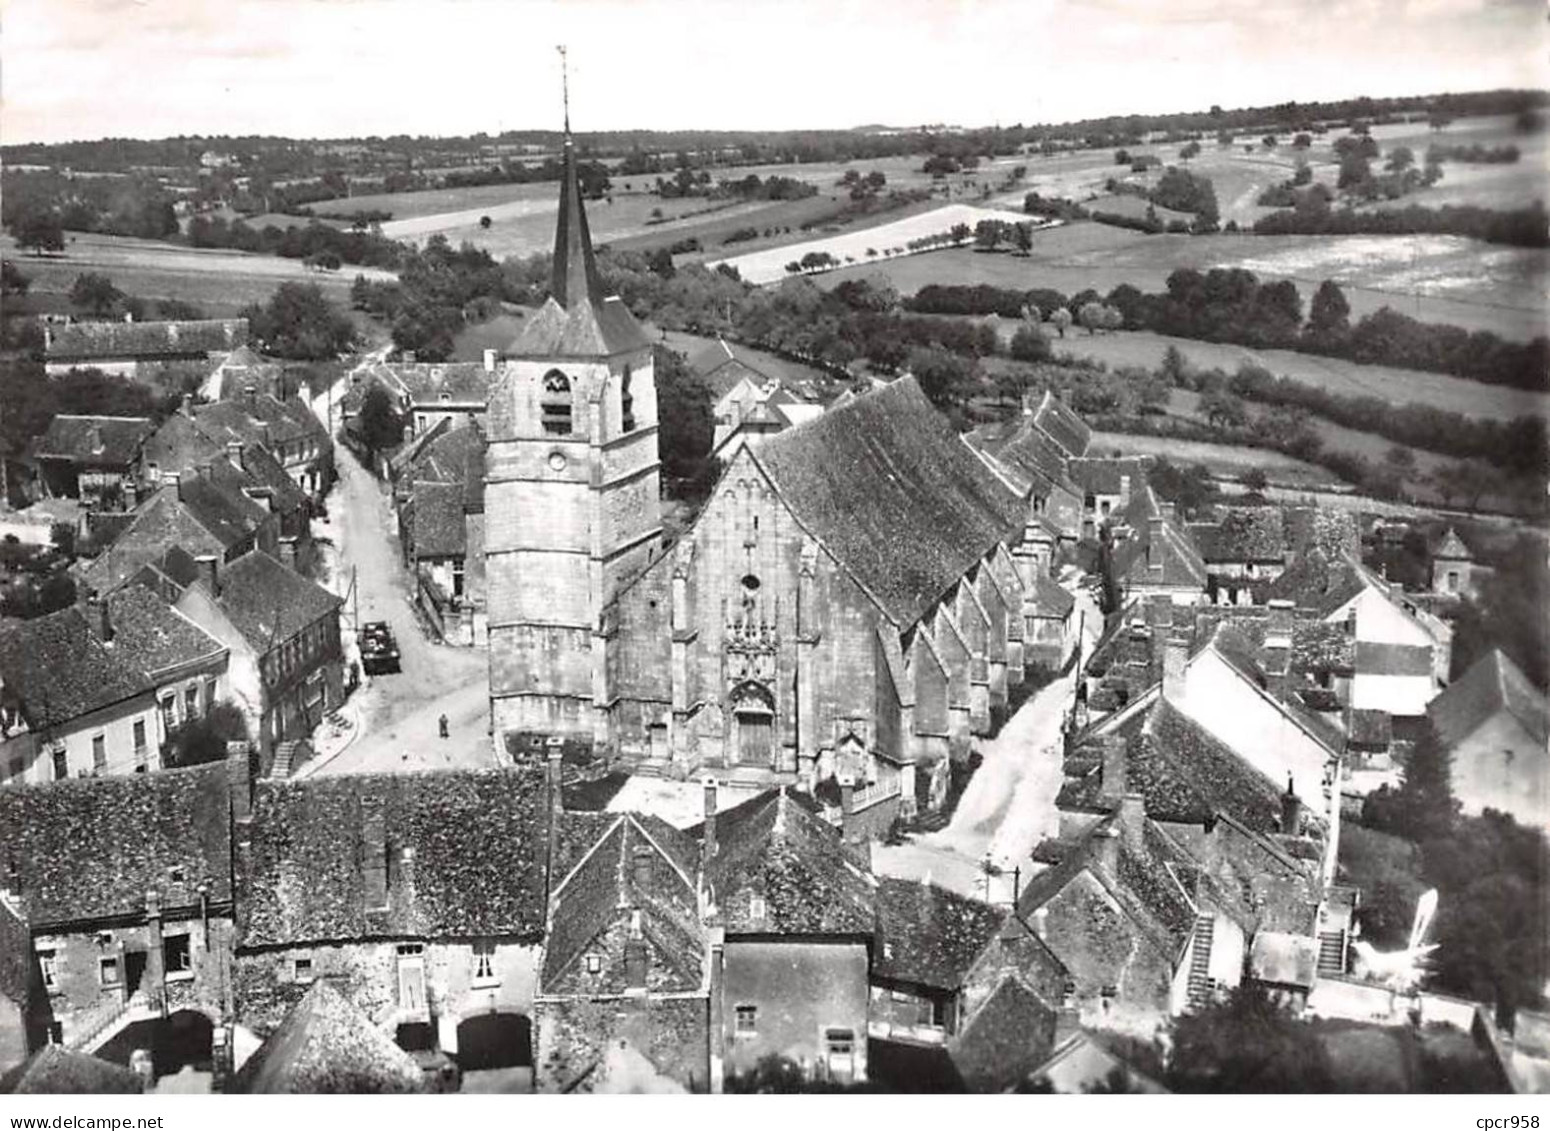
x,y
564,86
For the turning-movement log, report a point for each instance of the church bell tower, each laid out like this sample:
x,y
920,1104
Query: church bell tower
x,y
572,494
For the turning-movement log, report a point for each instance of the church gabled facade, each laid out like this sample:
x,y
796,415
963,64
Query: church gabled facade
x,y
852,602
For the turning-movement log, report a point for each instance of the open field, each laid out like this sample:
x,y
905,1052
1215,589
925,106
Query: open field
x,y
1220,459
867,245
1434,278
218,280
1452,394
1488,186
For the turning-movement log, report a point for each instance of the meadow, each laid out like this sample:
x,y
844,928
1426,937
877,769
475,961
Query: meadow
x,y
217,280
1433,278
1219,459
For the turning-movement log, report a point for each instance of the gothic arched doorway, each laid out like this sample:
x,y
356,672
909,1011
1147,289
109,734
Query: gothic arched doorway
x,y
753,721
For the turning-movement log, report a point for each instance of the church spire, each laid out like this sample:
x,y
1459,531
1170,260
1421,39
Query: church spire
x,y
575,270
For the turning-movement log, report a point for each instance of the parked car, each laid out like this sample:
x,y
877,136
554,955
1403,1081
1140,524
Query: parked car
x,y
379,651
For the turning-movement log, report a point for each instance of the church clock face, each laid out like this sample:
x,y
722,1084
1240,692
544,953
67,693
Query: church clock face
x,y
557,461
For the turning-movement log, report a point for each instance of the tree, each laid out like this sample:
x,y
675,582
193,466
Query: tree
x,y
380,425
95,293
1174,366
1029,344
1423,805
1092,316
1192,149
204,739
1223,410
1256,480
686,426
1329,315
1060,318
1401,157
1302,141
1023,233
39,230
298,322
12,281
485,222
1248,1044
1400,458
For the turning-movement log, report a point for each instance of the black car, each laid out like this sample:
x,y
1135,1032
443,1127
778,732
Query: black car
x,y
379,651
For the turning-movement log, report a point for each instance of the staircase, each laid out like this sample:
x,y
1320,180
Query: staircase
x,y
114,1019
1331,953
284,757
1201,987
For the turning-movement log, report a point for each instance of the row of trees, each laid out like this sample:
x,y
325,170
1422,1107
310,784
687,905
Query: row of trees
x,y
358,246
1519,227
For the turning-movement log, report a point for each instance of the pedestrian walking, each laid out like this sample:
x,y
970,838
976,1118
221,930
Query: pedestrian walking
x,y
443,725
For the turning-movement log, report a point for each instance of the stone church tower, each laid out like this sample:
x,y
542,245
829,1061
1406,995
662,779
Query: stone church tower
x,y
572,498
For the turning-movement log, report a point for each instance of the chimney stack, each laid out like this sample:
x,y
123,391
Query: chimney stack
x,y
239,780
288,553
1168,513
1106,846
708,842
489,361
1124,491
1112,785
1175,658
98,618
1291,810
406,875
131,494
1132,821
234,452
187,407
1279,626
207,573
1154,547
250,397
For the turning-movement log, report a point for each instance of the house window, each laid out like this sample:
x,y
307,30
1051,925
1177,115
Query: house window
x,y
176,955
746,1019
99,752
457,579
191,701
594,964
209,692
107,971
139,733
46,968
555,406
626,403
61,764
484,961
757,909
169,713
301,969
1453,581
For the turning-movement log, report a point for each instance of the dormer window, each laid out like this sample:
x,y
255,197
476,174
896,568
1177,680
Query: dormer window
x,y
555,406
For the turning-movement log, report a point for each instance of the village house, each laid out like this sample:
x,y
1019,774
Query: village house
x,y
211,521
439,495
426,394
1495,725
282,632
1403,652
1243,548
418,897
1152,553
124,884
1033,463
100,688
287,428
96,459
748,404
1455,573
623,993
139,349
1107,486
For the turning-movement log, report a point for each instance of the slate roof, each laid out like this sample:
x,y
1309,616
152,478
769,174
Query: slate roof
x,y
1181,564
326,1045
1369,727
1492,684
149,634
58,670
602,892
1319,581
437,522
425,383
1051,599
56,1070
180,443
168,575
477,837
100,441
1141,884
1009,1035
722,364
577,321
930,936
1242,534
260,419
884,483
90,848
84,341
1104,476
221,508
1061,424
776,848
1375,658
268,603
1452,547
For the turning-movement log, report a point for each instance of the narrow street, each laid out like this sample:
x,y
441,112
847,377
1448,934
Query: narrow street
x,y
1009,804
396,714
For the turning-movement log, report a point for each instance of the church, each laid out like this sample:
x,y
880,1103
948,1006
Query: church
x,y
850,606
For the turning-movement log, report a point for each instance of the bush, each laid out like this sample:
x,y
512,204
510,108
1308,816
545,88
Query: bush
x,y
204,739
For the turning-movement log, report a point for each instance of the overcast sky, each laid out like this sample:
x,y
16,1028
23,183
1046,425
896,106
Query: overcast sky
x,y
331,68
